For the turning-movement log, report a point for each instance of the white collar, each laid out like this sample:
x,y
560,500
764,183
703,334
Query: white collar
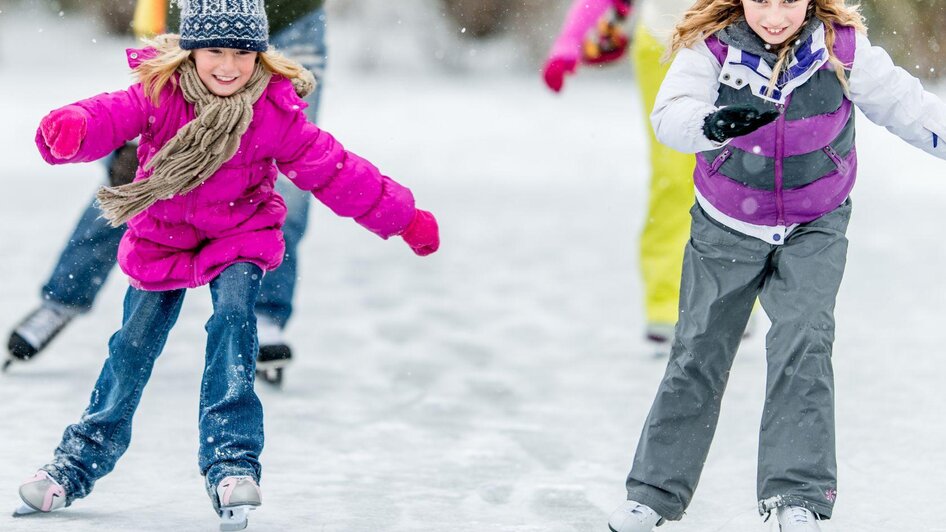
x,y
741,68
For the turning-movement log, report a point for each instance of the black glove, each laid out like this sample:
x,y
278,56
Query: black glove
x,y
736,121
124,165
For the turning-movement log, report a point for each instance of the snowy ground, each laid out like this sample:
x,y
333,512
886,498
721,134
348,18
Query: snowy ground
x,y
498,385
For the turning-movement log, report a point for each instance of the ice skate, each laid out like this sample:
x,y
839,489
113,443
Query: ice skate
x,y
632,516
37,330
236,496
659,338
796,519
271,361
40,494
274,354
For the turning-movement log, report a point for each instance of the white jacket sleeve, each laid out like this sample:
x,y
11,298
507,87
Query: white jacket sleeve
x,y
688,94
889,96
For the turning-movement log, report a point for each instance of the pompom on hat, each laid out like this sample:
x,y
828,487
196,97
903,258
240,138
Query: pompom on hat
x,y
239,24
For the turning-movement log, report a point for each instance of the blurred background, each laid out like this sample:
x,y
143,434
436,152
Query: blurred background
x,y
461,35
501,383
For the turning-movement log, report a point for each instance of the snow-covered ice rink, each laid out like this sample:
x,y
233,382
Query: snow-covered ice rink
x,y
499,385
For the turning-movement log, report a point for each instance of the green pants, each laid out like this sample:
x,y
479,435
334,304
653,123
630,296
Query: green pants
x,y
667,226
797,284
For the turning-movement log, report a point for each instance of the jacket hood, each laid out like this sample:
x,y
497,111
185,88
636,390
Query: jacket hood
x,y
136,56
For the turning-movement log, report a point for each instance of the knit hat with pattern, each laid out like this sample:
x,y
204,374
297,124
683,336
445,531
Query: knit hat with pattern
x,y
237,24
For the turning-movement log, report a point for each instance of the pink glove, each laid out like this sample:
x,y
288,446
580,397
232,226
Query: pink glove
x,y
422,235
567,49
63,131
557,67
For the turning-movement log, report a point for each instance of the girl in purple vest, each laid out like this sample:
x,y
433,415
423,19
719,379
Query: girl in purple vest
x,y
218,113
763,91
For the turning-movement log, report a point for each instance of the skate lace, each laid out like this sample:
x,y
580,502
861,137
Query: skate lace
x,y
798,515
638,510
43,323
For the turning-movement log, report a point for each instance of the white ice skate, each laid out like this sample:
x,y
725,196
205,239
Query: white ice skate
x,y
796,519
659,337
237,496
40,494
633,516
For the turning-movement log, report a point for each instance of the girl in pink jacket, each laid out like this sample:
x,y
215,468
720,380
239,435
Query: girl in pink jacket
x,y
217,117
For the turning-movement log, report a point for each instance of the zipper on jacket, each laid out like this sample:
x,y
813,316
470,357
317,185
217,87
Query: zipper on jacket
x,y
720,159
189,206
836,158
779,162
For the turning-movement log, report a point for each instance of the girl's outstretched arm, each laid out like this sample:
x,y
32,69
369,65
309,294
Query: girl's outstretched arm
x,y
889,96
566,51
93,128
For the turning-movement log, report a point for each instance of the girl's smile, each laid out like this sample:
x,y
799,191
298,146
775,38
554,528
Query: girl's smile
x,y
775,21
224,71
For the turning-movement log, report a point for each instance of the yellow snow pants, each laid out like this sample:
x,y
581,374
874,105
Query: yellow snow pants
x,y
667,227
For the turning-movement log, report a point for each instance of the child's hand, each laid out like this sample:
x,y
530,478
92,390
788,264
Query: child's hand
x,y
63,131
422,235
557,67
736,121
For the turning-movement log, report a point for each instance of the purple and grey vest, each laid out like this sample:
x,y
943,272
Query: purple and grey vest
x,y
797,168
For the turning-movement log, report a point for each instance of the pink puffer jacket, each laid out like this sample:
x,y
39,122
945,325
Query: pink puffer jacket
x,y
235,215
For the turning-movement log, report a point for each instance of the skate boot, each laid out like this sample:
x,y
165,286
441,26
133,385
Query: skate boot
x,y
271,361
40,494
659,338
633,516
274,355
796,519
37,330
236,496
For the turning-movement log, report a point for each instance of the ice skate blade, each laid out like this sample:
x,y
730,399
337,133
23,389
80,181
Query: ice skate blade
x,y
271,376
234,517
6,365
24,509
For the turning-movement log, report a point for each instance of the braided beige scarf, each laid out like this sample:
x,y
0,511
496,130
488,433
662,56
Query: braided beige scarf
x,y
198,149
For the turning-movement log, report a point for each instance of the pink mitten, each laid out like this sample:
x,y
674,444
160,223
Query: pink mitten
x,y
567,49
63,131
557,67
422,235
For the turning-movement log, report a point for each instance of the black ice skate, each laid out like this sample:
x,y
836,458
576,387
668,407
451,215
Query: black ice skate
x,y
274,354
271,361
37,330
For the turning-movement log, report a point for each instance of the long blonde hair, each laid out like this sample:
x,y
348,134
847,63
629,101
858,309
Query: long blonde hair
x,y
707,17
156,72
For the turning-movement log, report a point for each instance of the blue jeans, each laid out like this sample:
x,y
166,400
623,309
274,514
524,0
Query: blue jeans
x,y
91,251
304,41
230,417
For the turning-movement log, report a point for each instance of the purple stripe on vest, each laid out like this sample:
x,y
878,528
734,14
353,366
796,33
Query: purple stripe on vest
x,y
801,205
719,49
750,60
801,136
806,57
845,44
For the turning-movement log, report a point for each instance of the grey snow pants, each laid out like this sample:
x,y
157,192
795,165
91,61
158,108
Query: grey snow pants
x,y
797,284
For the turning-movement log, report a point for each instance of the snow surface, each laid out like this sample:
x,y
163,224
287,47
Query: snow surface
x,y
500,384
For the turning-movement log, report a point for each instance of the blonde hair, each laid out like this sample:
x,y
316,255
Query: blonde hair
x,y
707,17
155,73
